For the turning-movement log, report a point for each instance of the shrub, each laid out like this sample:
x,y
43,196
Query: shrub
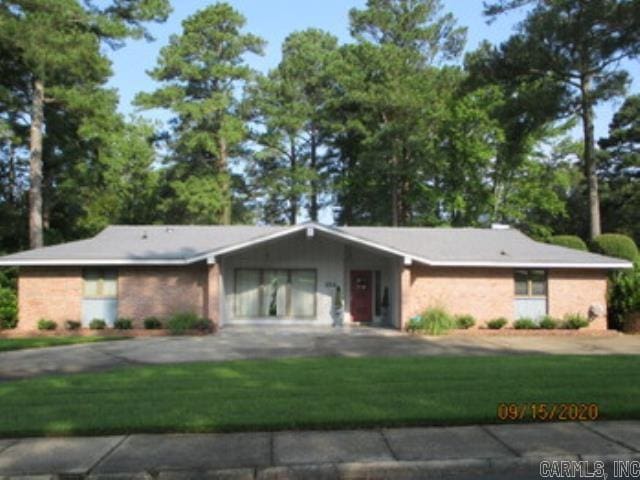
x,y
575,321
569,241
624,294
46,324
548,323
8,308
152,323
615,245
497,323
433,321
72,325
182,322
525,324
464,321
123,324
97,324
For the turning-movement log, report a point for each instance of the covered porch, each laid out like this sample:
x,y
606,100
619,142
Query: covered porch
x,y
310,277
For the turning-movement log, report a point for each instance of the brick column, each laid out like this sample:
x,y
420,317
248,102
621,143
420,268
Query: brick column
x,y
212,294
405,296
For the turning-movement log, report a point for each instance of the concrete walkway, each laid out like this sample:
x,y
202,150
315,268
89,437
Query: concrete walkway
x,y
499,451
234,343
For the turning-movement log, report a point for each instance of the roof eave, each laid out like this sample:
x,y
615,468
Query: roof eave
x,y
574,265
92,262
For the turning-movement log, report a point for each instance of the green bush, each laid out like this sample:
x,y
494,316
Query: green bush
x,y
548,323
624,294
72,325
615,245
180,323
575,321
464,321
525,324
433,321
152,323
123,324
46,324
8,308
97,324
569,241
497,323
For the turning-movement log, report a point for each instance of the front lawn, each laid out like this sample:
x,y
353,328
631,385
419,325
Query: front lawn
x,y
7,344
313,393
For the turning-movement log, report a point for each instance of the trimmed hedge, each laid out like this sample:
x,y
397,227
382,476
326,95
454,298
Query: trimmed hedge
x,y
615,245
123,324
497,323
569,241
181,323
464,321
97,324
46,324
152,323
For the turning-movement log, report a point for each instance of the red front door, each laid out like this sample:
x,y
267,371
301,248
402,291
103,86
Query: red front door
x,y
361,295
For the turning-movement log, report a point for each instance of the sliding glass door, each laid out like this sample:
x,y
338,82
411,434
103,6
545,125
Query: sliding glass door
x,y
275,293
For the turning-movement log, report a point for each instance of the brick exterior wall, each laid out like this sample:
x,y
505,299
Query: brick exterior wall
x,y
481,292
54,293
488,293
574,291
161,291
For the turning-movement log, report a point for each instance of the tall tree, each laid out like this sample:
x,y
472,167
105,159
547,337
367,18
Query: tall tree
x,y
399,40
619,170
579,44
56,48
289,106
201,72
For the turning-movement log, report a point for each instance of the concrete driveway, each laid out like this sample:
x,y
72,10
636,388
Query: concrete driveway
x,y
275,342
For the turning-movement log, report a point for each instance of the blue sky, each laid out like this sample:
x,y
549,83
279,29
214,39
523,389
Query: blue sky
x,y
273,20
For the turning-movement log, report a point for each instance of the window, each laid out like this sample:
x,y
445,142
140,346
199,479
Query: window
x,y
100,283
263,293
378,293
530,283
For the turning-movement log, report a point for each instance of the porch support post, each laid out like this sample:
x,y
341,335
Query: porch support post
x,y
405,296
212,294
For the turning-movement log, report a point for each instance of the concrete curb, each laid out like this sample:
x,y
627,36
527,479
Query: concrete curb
x,y
397,470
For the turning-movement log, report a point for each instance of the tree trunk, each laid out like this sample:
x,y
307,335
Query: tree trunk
x,y
395,220
226,208
313,209
589,158
35,165
293,198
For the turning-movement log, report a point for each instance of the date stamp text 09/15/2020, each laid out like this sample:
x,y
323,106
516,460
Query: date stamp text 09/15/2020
x,y
547,412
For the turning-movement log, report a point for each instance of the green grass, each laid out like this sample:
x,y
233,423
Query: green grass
x,y
313,393
7,344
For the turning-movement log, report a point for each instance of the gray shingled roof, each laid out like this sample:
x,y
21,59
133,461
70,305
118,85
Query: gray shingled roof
x,y
437,246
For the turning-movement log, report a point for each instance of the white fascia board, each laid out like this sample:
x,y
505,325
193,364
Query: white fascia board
x,y
83,262
606,266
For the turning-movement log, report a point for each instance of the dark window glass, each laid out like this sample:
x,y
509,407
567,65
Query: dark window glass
x,y
530,283
378,293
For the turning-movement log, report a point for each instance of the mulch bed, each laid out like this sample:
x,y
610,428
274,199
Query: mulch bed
x,y
512,332
86,332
